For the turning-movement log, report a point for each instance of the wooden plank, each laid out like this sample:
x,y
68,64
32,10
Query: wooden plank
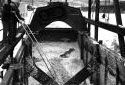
x,y
110,27
7,78
37,73
34,71
20,53
113,58
89,14
79,77
119,22
97,18
42,77
7,48
90,47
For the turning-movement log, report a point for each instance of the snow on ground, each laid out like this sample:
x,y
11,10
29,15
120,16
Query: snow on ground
x,y
106,35
65,68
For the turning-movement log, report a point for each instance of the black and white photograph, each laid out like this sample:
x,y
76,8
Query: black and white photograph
x,y
62,42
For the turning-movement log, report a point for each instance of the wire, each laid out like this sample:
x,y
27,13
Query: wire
x,y
34,43
37,47
42,51
37,50
40,47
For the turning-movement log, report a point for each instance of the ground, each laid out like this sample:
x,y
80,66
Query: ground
x,y
64,68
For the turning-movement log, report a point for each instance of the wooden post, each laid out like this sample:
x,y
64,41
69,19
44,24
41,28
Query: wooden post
x,y
119,22
1,4
25,79
89,14
32,2
80,41
12,62
120,37
97,18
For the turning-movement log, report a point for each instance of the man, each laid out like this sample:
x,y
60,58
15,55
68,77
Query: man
x,y
10,17
5,18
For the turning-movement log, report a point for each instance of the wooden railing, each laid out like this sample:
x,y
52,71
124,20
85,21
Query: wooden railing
x,y
16,63
111,63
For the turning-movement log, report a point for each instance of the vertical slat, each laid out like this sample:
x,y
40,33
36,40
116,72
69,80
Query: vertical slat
x,y
97,18
97,74
12,62
12,35
80,40
1,4
32,2
7,78
120,37
106,71
25,79
119,22
89,14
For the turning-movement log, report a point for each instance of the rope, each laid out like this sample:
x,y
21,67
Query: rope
x,y
42,51
1,29
38,50
36,47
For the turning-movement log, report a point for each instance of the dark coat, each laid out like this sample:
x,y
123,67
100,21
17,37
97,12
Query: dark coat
x,y
8,15
6,12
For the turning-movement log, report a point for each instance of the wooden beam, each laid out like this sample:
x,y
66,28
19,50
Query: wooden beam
x,y
110,27
79,77
6,49
89,14
111,56
120,37
33,70
97,18
119,22
42,77
19,54
7,78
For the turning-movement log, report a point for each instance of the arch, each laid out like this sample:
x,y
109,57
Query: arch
x,y
58,12
58,24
